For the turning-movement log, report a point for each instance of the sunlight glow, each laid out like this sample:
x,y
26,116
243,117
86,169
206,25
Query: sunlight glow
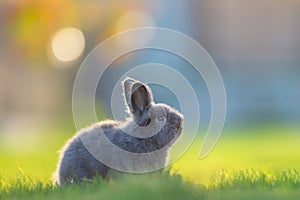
x,y
135,19
68,44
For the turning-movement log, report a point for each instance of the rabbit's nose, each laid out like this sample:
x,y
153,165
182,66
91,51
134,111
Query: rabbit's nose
x,y
178,124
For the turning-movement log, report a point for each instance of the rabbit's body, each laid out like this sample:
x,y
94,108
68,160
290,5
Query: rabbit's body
x,y
151,127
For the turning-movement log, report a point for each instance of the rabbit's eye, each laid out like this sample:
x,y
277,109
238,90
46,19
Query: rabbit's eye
x,y
145,122
161,118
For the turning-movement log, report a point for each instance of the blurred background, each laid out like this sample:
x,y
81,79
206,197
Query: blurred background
x,y
255,44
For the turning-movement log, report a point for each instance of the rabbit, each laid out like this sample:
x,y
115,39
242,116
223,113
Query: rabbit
x,y
148,128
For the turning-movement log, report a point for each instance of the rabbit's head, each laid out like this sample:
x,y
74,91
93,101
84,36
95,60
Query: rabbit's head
x,y
149,119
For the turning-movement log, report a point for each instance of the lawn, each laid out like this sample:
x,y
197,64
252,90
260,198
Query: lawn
x,y
241,184
252,163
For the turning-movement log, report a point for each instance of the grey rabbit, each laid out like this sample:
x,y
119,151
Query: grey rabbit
x,y
149,127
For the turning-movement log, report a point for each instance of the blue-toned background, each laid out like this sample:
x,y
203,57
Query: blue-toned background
x,y
255,44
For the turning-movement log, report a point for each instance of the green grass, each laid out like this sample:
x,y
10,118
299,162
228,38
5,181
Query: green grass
x,y
240,184
252,163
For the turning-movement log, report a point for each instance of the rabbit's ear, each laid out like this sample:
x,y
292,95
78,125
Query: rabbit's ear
x,y
138,97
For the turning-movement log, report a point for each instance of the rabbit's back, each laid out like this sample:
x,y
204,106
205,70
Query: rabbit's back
x,y
77,162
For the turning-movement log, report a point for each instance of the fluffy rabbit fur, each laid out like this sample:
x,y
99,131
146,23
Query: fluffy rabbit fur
x,y
77,163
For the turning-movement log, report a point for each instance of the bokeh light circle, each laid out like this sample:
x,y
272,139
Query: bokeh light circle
x,y
135,19
68,44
